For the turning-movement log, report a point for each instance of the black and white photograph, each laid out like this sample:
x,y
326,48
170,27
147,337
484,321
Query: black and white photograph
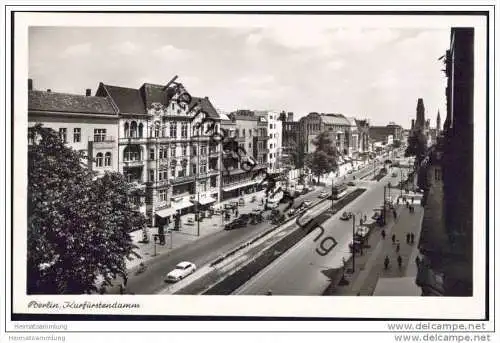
x,y
299,164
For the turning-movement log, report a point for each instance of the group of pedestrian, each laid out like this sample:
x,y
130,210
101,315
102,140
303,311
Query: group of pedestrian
x,y
410,238
387,262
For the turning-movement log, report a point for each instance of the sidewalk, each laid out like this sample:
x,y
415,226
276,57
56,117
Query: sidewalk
x,y
370,277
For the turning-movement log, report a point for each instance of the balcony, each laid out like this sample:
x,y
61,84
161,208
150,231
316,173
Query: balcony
x,y
213,153
182,179
102,142
132,140
133,163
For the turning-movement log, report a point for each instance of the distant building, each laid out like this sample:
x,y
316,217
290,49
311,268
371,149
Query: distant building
x,y
274,130
336,125
290,133
382,133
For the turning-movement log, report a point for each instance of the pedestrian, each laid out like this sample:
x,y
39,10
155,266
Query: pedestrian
x,y
383,234
412,238
395,214
398,247
412,200
102,289
365,218
407,204
122,289
386,262
408,238
400,261
417,261
393,238
236,213
125,280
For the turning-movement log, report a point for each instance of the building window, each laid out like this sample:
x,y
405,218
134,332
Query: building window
x,y
172,151
126,130
141,128
77,135
98,160
163,195
184,130
63,134
203,167
172,171
152,154
131,153
182,172
133,129
152,175
107,159
193,168
100,135
184,149
173,129
243,133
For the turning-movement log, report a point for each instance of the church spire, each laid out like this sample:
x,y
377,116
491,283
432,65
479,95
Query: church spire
x,y
420,122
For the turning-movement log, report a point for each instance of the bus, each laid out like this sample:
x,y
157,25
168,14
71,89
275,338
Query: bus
x,y
339,191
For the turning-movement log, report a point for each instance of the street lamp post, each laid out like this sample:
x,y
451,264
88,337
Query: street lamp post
x,y
353,242
332,193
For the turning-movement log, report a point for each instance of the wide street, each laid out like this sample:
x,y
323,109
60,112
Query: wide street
x,y
206,249
301,270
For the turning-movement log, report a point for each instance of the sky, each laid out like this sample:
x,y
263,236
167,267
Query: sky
x,y
365,73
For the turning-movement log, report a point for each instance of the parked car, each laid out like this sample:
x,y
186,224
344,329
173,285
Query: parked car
x,y
241,201
307,203
346,216
350,171
394,175
323,195
351,183
292,211
235,224
181,270
272,205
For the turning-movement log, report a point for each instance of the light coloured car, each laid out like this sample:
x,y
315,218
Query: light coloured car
x,y
323,195
181,271
307,203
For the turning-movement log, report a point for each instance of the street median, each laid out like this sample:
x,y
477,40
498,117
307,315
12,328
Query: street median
x,y
241,276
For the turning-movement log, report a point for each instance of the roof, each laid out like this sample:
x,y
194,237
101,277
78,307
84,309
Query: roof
x,y
352,121
207,107
70,103
334,119
128,100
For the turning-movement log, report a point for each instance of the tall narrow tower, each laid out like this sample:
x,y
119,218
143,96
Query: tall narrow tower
x,y
420,122
438,122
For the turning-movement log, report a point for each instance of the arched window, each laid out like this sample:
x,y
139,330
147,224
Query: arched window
x,y
141,127
126,129
107,159
132,153
133,129
98,159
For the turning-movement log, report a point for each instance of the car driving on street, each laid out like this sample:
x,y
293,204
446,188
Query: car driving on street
x,y
346,216
181,270
323,195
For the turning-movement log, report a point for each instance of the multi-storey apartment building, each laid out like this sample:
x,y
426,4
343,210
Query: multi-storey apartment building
x,y
274,129
250,134
160,150
289,134
84,122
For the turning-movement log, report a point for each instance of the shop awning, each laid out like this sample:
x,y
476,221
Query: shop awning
x,y
240,185
166,212
179,205
206,200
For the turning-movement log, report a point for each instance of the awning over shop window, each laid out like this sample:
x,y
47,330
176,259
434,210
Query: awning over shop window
x,y
179,205
206,200
166,212
240,185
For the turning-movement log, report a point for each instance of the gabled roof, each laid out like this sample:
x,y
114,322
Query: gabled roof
x,y
70,103
128,100
207,107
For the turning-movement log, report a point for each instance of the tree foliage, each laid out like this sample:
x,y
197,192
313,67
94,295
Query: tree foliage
x,y
324,159
78,225
417,146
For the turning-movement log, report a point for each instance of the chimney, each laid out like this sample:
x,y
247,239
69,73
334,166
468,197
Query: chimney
x,y
49,90
290,116
30,84
88,92
412,123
